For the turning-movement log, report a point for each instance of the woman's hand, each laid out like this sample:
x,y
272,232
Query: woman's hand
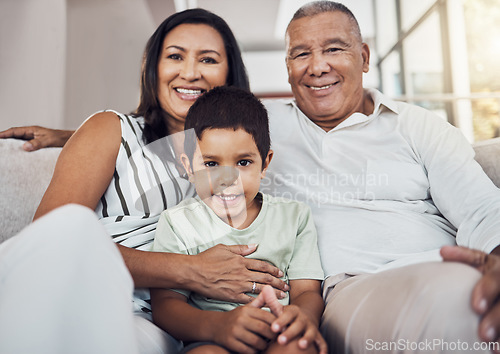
x,y
223,273
38,137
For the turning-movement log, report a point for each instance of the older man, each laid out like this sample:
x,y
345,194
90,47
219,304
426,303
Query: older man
x,y
390,184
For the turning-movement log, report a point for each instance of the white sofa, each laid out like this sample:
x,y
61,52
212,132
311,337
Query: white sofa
x,y
24,176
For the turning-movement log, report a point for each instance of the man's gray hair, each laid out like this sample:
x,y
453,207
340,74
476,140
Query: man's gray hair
x,y
318,7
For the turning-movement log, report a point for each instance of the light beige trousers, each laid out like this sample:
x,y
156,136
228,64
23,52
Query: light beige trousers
x,y
422,308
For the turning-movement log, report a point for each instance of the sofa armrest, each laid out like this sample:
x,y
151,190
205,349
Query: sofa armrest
x,y
24,177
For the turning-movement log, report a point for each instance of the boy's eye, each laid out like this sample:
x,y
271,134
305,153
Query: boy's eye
x,y
210,164
244,163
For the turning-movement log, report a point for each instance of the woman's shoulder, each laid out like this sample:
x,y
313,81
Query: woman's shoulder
x,y
102,118
127,125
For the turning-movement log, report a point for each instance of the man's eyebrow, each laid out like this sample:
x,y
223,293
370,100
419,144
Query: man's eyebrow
x,y
331,41
337,41
297,48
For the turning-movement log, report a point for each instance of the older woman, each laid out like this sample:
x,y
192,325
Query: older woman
x,y
122,167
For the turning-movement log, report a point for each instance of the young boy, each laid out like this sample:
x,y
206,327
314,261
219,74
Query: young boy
x,y
226,156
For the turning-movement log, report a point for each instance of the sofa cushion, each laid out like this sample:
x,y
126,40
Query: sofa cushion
x,y
488,156
24,177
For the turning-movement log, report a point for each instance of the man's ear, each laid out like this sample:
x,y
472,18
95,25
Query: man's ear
x,y
187,166
365,53
266,163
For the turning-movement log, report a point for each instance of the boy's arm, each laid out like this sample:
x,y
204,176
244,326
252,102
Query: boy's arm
x,y
303,315
243,329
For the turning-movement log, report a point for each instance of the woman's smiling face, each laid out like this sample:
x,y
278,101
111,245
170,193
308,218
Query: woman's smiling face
x,y
193,61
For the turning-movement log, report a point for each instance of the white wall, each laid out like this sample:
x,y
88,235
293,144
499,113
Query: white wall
x,y
32,62
62,60
105,44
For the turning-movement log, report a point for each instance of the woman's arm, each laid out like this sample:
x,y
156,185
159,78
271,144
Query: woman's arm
x,y
38,137
221,272
244,329
85,166
82,174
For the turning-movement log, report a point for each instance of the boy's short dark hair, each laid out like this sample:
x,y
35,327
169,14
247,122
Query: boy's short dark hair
x,y
227,107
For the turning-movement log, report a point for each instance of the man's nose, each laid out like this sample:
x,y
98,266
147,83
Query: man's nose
x,y
318,65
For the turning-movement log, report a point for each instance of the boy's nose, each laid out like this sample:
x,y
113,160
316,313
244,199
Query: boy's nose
x,y
223,177
217,178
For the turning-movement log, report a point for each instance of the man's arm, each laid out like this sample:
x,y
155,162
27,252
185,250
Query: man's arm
x,y
38,137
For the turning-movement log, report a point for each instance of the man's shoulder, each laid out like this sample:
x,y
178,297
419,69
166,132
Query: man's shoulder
x,y
275,105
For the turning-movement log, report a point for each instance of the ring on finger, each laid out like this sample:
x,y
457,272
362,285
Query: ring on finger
x,y
254,287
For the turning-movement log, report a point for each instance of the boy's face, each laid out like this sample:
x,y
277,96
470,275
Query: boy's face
x,y
226,170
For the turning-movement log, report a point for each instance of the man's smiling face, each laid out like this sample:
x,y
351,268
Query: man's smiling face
x,y
326,60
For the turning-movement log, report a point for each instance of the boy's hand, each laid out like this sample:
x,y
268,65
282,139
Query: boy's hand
x,y
267,298
246,329
294,324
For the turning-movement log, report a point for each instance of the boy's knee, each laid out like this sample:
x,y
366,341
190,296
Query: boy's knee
x,y
208,349
290,348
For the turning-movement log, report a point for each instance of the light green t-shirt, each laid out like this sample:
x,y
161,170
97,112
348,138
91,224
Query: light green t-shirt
x,y
283,229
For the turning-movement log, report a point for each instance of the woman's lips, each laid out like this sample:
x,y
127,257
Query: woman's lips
x,y
189,94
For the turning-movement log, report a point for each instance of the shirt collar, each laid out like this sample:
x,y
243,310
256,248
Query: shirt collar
x,y
380,103
379,100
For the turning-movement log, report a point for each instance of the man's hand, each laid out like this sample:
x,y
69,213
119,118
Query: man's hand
x,y
486,293
223,273
38,137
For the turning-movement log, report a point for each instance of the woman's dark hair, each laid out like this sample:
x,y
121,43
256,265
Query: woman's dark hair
x,y
149,105
228,108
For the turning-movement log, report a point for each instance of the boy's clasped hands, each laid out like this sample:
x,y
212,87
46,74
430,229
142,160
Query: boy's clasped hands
x,y
285,322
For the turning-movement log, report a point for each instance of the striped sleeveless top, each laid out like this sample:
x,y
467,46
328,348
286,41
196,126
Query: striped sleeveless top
x,y
145,182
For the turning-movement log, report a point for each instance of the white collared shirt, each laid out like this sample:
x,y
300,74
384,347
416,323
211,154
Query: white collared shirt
x,y
387,189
